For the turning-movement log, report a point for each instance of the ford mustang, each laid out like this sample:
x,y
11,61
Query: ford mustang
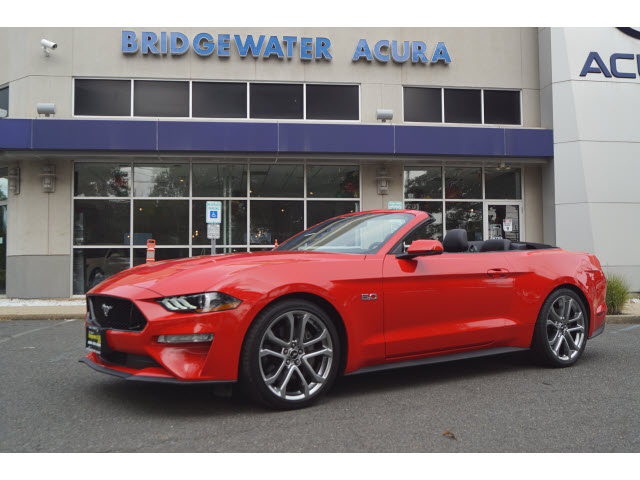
x,y
353,294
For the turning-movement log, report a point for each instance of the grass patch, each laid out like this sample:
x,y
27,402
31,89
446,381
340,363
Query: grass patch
x,y
617,293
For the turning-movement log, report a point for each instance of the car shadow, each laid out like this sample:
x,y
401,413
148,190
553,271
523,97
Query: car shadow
x,y
187,401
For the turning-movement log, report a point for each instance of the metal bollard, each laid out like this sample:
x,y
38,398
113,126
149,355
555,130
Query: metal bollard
x,y
151,251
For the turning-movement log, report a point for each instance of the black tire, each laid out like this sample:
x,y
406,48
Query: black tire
x,y
322,357
551,325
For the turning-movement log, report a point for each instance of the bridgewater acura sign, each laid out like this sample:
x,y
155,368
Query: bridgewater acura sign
x,y
304,48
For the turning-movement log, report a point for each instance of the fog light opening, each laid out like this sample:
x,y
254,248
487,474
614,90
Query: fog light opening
x,y
189,338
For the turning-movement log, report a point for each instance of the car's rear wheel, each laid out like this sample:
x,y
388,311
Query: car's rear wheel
x,y
560,336
290,356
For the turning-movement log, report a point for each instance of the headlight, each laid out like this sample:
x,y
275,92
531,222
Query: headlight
x,y
200,302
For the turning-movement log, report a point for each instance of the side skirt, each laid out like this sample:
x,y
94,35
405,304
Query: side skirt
x,y
439,359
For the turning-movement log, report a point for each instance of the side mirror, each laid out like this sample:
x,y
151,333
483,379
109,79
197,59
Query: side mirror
x,y
421,248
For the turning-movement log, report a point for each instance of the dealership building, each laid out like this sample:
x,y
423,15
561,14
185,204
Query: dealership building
x,y
110,137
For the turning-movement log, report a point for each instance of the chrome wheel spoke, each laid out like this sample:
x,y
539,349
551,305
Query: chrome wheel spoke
x,y
570,343
324,351
270,380
319,338
264,352
305,384
315,377
278,341
303,327
285,382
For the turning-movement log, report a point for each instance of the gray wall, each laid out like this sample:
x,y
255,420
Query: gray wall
x,y
597,146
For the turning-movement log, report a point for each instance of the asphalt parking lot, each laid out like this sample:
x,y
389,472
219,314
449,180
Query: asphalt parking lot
x,y
51,403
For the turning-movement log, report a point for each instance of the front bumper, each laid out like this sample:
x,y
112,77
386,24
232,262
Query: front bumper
x,y
215,361
155,375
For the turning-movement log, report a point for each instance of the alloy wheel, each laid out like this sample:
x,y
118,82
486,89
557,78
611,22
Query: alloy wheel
x,y
565,327
296,354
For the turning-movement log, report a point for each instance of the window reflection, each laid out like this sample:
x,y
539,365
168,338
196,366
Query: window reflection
x,y
273,220
161,180
102,180
93,265
277,181
332,181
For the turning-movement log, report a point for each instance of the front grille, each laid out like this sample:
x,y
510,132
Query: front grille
x,y
115,313
129,360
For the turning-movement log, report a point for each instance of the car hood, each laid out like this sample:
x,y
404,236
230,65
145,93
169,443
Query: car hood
x,y
201,274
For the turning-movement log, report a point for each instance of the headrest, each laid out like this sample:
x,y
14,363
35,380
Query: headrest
x,y
456,241
495,245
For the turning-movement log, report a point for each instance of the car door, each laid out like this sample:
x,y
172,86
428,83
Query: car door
x,y
445,302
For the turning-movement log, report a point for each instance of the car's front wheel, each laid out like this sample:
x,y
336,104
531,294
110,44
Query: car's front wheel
x,y
290,356
560,335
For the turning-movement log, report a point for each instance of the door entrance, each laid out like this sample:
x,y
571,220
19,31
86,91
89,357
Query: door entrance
x,y
503,221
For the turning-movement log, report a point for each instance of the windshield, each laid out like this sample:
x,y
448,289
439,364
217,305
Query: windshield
x,y
363,234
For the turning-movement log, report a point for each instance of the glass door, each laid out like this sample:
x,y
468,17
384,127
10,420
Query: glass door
x,y
504,221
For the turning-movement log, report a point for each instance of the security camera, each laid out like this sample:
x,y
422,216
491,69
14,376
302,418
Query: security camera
x,y
46,45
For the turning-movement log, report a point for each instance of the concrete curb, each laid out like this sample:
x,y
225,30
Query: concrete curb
x,y
624,319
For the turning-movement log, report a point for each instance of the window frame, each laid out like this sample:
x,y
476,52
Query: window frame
x,y
192,247
482,90
484,200
248,117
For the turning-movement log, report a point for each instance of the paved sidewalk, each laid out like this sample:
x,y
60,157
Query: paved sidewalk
x,y
45,309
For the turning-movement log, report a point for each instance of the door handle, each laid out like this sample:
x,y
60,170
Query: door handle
x,y
497,272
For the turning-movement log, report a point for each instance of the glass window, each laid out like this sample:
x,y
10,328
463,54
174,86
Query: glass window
x,y
319,211
423,182
277,181
273,100
93,265
140,254
273,220
165,221
462,106
101,222
422,104
233,229
463,182
219,180
102,98
361,234
333,181
102,180
502,183
155,180
4,183
466,215
501,107
504,222
333,102
4,99
160,99
219,100
433,231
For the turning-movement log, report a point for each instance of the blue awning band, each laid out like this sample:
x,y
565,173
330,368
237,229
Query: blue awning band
x,y
271,137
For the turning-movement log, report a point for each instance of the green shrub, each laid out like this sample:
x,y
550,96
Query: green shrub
x,y
617,293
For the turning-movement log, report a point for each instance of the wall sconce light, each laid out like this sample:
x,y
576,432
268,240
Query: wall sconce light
x,y
48,175
46,109
14,180
384,115
382,177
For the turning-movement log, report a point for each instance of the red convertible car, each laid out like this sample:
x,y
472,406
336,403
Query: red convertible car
x,y
356,293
